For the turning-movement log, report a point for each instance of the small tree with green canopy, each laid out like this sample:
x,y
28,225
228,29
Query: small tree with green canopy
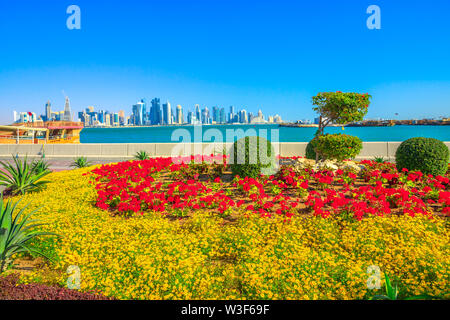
x,y
339,108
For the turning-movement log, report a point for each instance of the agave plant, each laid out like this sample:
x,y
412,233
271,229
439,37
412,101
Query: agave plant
x,y
80,162
141,155
380,160
20,177
392,293
39,166
16,230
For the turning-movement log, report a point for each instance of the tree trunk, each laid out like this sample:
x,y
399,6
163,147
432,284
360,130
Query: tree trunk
x,y
319,133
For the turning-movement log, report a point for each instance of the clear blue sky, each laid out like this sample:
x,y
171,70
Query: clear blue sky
x,y
272,55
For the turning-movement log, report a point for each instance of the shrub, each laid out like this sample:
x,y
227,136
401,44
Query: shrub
x,y
428,155
338,146
16,230
379,159
310,150
249,163
39,166
80,162
21,177
141,155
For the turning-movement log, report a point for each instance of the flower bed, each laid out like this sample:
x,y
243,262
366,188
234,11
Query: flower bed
x,y
10,289
160,185
269,238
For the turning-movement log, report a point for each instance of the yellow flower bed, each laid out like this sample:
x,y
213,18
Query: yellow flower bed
x,y
207,257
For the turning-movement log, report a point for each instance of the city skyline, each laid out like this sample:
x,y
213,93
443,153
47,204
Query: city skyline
x,y
142,115
273,56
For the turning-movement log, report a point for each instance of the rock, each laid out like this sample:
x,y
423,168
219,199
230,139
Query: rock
x,y
352,166
326,165
302,163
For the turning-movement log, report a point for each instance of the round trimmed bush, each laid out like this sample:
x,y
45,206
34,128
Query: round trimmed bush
x,y
428,155
250,163
338,146
310,152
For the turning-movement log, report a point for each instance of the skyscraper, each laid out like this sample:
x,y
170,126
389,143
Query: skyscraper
x,y
243,116
215,114
121,117
222,115
179,114
205,116
48,111
145,114
137,116
167,113
197,113
155,112
190,117
67,113
231,114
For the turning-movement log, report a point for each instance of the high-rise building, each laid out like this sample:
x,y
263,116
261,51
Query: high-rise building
x,y
215,114
222,118
167,113
197,113
231,114
67,112
260,114
190,117
145,114
138,117
180,119
243,116
48,111
206,118
121,117
155,112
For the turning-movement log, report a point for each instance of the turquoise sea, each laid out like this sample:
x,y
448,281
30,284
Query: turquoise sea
x,y
286,134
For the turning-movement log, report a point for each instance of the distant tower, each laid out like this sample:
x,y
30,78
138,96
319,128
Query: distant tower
x,y
67,113
197,112
167,113
48,111
179,114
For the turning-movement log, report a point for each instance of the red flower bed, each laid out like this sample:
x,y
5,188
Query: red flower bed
x,y
159,184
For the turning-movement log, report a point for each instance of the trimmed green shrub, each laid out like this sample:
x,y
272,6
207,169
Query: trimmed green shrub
x,y
338,146
249,163
428,155
310,152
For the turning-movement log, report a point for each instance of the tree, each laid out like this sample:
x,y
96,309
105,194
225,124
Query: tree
x,y
339,108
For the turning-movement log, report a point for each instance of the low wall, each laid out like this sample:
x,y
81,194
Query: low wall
x,y
122,151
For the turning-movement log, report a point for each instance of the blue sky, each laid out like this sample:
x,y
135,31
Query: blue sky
x,y
272,55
